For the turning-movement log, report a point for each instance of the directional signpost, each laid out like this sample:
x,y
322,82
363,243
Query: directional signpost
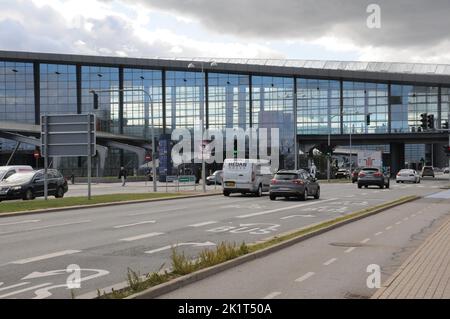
x,y
71,135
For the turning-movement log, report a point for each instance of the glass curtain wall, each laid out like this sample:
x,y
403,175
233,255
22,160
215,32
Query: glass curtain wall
x,y
360,100
273,107
318,107
137,103
102,78
445,106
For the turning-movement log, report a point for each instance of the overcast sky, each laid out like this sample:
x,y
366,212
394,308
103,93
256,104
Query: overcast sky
x,y
411,30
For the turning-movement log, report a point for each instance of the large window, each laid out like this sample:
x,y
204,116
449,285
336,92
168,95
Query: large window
x,y
408,102
362,100
102,78
143,90
185,104
445,106
273,106
229,97
58,89
318,106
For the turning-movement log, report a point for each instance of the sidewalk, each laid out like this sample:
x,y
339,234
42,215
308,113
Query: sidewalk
x,y
425,274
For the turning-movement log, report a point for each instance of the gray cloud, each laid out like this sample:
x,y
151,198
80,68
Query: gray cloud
x,y
405,23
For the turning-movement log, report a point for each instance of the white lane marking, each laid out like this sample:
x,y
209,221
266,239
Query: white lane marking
x,y
135,224
23,222
208,243
350,196
272,295
350,250
379,233
293,216
413,215
141,236
14,286
305,277
49,226
329,262
388,228
398,223
24,290
285,208
365,241
203,224
47,256
405,219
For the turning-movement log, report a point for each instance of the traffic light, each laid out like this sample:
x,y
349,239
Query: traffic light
x,y
447,150
424,121
368,119
95,101
430,121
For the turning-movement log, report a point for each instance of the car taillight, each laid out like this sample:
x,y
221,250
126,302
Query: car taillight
x,y
377,175
297,181
273,182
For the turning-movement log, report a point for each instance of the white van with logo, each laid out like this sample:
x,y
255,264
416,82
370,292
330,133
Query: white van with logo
x,y
246,176
7,171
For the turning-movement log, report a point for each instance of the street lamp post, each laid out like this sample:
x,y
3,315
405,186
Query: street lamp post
x,y
155,187
192,66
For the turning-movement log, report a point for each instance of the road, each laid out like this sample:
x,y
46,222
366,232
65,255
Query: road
x,y
104,242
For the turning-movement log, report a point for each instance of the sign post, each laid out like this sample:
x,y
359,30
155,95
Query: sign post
x,y
71,135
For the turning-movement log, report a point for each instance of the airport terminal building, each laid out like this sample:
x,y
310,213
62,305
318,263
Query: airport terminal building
x,y
374,105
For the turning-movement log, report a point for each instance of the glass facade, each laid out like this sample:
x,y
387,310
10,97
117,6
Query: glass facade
x,y
445,106
102,78
58,89
363,100
229,101
185,99
273,107
408,102
143,90
318,105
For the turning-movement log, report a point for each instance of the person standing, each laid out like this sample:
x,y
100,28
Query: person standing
x,y
123,175
313,170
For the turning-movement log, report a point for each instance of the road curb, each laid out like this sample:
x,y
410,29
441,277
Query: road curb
x,y
207,272
62,209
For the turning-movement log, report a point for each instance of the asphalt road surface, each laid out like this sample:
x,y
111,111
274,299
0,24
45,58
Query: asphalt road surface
x,y
104,242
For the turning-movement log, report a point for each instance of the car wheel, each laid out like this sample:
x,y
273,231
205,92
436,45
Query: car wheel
x,y
29,195
317,196
272,197
398,182
359,186
388,185
381,186
225,193
259,191
305,195
59,192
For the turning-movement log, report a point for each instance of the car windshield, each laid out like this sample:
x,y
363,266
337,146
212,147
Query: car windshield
x,y
20,178
407,171
286,176
370,170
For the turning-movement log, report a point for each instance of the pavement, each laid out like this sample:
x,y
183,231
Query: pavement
x,y
105,242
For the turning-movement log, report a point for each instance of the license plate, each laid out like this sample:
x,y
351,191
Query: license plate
x,y
230,184
284,189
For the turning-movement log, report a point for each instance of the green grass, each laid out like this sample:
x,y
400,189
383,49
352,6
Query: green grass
x,y
183,265
18,206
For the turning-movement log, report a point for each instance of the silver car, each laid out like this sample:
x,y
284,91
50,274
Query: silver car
x,y
373,176
298,183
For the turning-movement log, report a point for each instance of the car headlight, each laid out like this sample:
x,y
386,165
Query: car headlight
x,y
16,188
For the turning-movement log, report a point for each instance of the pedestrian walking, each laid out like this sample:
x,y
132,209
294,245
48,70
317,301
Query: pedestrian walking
x,y
123,175
313,170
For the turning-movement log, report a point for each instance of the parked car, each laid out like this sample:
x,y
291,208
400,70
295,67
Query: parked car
x,y
408,175
246,176
446,170
295,183
215,178
355,174
29,185
427,171
7,171
342,173
373,176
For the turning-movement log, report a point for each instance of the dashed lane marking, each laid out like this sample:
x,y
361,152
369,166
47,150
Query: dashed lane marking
x,y
365,241
143,236
379,233
47,256
350,250
135,224
203,224
272,295
329,262
305,277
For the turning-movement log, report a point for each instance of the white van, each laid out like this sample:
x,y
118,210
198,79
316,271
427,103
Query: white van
x,y
7,171
246,176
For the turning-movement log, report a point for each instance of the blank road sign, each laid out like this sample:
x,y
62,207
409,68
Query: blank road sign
x,y
68,135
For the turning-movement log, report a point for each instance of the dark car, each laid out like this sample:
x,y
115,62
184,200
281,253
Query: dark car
x,y
295,183
427,171
30,185
342,173
373,176
355,174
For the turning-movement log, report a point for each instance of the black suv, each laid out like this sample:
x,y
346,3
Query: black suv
x,y
30,185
